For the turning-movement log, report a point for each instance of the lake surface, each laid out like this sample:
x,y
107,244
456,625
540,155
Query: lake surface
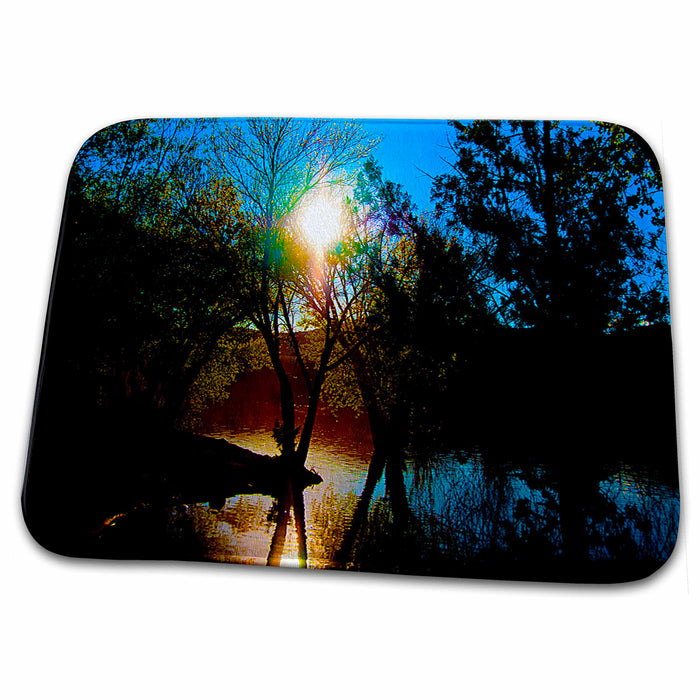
x,y
449,513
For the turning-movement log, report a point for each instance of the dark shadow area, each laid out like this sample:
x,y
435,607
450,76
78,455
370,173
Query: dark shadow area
x,y
79,491
532,396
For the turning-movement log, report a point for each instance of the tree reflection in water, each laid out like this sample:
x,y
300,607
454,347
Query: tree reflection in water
x,y
399,516
291,501
461,512
457,515
449,512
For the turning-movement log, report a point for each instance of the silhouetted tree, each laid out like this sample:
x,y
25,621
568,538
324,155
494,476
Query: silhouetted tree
x,y
275,164
409,331
151,263
568,218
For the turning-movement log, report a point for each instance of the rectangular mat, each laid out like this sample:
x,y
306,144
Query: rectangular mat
x,y
420,347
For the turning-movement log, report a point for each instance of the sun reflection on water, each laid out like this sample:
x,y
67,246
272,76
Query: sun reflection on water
x,y
457,506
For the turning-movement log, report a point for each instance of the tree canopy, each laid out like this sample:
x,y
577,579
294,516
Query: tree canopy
x,y
202,249
567,217
154,260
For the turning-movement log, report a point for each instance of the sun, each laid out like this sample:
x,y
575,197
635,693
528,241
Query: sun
x,y
323,217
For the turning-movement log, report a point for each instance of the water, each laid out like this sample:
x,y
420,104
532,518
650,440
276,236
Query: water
x,y
446,513
455,512
242,531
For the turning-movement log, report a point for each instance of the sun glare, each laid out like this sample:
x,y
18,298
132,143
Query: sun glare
x,y
291,562
322,217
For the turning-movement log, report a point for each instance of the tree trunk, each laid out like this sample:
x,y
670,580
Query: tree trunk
x,y
288,428
553,243
302,450
287,407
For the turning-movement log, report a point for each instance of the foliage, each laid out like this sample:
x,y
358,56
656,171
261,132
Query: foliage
x,y
237,351
340,390
154,260
565,219
274,164
192,265
417,301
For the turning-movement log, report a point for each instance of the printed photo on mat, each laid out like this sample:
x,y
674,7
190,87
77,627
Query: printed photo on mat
x,y
416,347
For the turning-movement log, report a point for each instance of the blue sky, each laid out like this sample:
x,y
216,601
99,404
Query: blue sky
x,y
408,147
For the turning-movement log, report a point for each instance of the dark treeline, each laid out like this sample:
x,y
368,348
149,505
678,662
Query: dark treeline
x,y
525,315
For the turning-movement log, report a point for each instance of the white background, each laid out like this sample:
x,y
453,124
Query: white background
x,y
77,629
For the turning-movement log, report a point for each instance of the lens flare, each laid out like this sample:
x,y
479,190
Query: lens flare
x,y
323,217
